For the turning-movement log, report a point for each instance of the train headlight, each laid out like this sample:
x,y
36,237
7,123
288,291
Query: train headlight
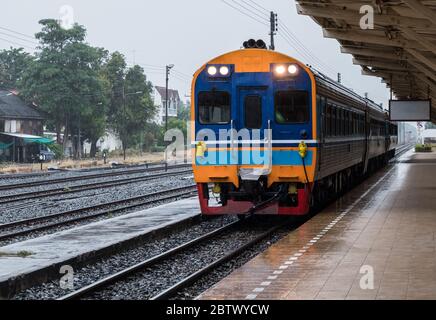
x,y
219,71
292,69
224,71
280,70
285,71
212,70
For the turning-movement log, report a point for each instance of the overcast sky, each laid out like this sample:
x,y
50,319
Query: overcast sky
x,y
186,33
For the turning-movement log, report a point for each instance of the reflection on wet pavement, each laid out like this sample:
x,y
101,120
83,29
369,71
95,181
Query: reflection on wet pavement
x,y
376,242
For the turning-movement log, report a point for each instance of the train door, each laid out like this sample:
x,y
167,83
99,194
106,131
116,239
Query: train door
x,y
367,139
250,124
322,132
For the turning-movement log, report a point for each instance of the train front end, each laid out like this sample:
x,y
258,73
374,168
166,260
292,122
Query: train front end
x,y
255,129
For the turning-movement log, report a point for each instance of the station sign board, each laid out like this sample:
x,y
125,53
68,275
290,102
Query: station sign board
x,y
410,110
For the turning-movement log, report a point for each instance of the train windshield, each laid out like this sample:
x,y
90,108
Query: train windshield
x,y
214,107
291,107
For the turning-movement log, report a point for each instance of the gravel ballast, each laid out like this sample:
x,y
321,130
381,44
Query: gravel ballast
x,y
118,261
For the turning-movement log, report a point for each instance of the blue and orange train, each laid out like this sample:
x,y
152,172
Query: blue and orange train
x,y
274,136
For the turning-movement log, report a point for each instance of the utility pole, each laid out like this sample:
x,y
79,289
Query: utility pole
x,y
79,138
168,69
167,78
273,29
124,122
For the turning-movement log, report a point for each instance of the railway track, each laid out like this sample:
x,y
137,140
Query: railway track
x,y
88,177
84,187
402,150
12,230
104,287
169,258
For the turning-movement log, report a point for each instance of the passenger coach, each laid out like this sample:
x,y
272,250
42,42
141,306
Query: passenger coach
x,y
274,136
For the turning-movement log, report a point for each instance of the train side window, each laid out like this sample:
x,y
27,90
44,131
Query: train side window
x,y
347,123
354,124
291,107
334,124
214,107
328,120
253,112
341,122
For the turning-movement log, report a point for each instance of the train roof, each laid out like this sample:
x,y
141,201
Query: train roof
x,y
332,84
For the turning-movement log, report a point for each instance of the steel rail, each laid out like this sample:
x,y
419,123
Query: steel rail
x,y
102,283
87,177
186,282
89,216
83,187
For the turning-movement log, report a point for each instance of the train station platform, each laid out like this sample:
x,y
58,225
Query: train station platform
x,y
377,242
29,262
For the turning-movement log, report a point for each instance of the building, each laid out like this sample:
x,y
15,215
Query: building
x,y
429,136
158,96
110,142
21,128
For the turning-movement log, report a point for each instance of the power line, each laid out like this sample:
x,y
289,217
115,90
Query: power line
x,y
260,16
259,6
18,38
309,54
16,32
244,13
304,55
17,44
150,66
286,34
182,75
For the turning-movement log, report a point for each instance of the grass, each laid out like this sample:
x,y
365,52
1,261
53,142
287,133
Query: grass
x,y
20,254
8,168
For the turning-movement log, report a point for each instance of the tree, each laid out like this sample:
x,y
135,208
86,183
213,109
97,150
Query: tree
x,y
429,125
184,111
65,79
131,105
13,63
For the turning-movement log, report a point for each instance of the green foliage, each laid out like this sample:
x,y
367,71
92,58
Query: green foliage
x,y
176,123
65,80
58,150
13,63
157,149
423,148
430,125
84,90
131,105
184,112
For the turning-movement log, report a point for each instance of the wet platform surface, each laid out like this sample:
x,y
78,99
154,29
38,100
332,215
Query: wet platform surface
x,y
62,246
377,242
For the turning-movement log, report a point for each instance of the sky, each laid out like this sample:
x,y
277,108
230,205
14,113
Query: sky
x,y
187,33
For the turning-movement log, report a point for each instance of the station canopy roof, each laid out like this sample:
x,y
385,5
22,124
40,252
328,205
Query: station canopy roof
x,y
30,138
400,49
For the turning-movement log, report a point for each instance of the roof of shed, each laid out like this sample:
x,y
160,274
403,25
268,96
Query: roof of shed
x,y
13,107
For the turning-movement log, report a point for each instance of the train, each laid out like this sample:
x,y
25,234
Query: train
x,y
274,136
